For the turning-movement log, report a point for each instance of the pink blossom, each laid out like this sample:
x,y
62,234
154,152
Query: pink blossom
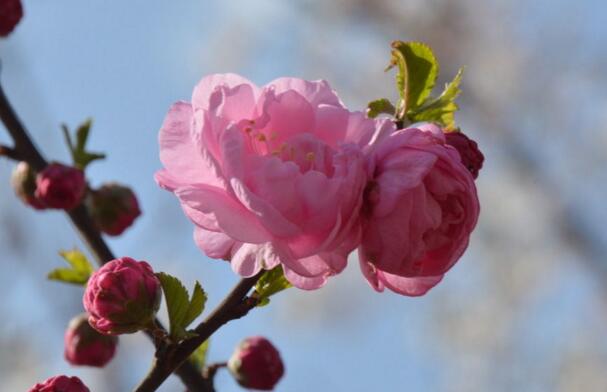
x,y
60,384
256,364
85,346
123,296
269,175
420,208
468,150
60,186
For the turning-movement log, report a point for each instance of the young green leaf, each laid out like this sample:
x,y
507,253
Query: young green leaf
x,y
441,109
80,156
199,356
197,302
422,71
270,283
182,310
79,271
379,106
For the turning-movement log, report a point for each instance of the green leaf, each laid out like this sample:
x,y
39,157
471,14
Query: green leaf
x,y
80,156
442,109
379,106
182,310
80,268
422,71
197,302
270,283
199,356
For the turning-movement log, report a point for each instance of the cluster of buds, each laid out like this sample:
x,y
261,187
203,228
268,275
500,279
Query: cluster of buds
x,y
85,346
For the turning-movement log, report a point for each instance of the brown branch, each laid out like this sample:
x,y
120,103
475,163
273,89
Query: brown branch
x,y
234,306
10,153
27,151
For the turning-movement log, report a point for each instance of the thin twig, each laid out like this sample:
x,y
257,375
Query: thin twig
x,y
10,153
234,306
27,151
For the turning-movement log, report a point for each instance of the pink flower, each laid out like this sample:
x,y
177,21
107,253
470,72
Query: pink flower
x,y
468,150
271,175
11,13
24,184
60,384
60,186
113,208
256,364
123,296
420,208
86,346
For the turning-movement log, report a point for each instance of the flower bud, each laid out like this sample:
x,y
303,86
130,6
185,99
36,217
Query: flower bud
x,y
256,364
85,346
122,296
113,207
60,384
60,186
11,13
24,184
468,150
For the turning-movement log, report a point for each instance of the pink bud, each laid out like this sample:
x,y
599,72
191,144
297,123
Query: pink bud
x,y
256,364
122,296
468,150
113,207
60,186
60,384
11,13
86,346
24,184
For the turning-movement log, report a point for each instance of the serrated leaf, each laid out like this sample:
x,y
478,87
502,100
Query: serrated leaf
x,y
422,71
270,283
197,302
80,268
199,356
441,109
379,106
176,297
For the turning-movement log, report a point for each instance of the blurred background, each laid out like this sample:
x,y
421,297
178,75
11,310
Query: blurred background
x,y
524,310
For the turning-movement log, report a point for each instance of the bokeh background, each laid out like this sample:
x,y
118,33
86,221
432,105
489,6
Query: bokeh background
x,y
524,310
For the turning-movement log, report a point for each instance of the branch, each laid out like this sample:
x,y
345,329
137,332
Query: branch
x,y
10,153
234,306
27,151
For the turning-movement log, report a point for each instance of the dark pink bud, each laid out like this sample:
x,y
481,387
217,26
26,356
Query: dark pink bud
x,y
24,184
60,384
85,346
113,207
60,186
468,150
123,296
11,13
256,364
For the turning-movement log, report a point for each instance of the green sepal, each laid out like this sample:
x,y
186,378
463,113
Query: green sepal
x,y
79,271
270,283
379,106
80,156
181,308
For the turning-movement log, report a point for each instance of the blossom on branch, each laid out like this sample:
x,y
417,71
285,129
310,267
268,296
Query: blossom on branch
x,y
60,384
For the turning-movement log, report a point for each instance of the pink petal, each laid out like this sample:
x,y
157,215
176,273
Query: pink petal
x,y
214,244
205,88
316,92
304,282
411,287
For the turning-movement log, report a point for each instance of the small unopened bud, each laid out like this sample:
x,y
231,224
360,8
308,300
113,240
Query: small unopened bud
x,y
60,186
113,208
60,384
468,150
85,346
11,12
256,364
123,296
24,184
